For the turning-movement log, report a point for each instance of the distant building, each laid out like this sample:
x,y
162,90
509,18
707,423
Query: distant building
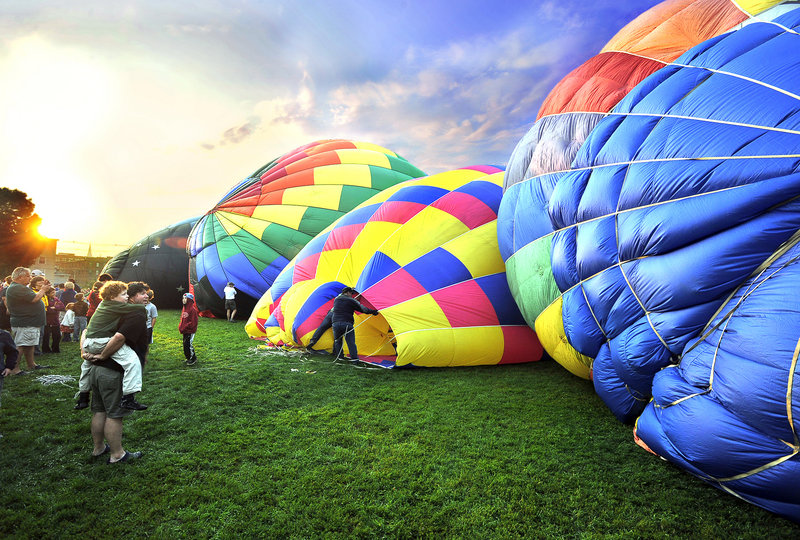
x,y
59,267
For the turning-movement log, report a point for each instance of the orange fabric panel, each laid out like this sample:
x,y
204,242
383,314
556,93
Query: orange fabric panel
x,y
598,84
671,28
301,178
317,160
239,205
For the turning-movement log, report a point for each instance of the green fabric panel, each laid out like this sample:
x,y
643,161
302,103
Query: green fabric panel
x,y
285,240
404,167
530,278
352,196
384,178
316,219
212,230
259,255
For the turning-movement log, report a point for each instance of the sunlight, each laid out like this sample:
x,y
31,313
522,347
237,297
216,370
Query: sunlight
x,y
51,100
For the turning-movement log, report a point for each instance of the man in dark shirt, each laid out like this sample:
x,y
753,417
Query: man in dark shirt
x,y
27,312
106,379
344,306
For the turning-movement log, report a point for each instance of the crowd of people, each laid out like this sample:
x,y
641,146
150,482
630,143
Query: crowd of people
x,y
114,329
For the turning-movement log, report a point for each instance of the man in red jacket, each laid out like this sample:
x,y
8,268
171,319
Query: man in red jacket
x,y
188,327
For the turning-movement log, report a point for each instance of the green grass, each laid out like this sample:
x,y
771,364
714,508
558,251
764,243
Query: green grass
x,y
249,443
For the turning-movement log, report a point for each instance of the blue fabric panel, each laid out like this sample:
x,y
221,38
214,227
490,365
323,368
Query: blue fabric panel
x,y
378,267
580,326
596,246
487,192
315,301
437,269
496,288
282,283
562,259
208,265
523,215
418,194
566,198
357,216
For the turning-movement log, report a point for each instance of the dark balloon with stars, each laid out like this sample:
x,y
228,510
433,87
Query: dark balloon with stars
x,y
160,260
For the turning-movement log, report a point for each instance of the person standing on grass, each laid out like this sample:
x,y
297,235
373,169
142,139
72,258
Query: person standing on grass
x,y
188,328
26,309
230,301
81,308
152,314
117,307
51,342
9,356
344,306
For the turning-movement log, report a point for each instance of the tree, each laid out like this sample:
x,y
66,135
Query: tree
x,y
20,242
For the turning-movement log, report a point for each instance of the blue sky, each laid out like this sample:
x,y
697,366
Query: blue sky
x,y
144,113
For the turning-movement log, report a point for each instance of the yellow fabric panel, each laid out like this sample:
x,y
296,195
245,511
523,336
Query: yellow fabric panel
x,y
366,244
374,148
449,347
225,219
418,313
235,222
288,216
345,174
451,180
363,157
330,262
549,328
424,232
261,311
478,250
325,196
754,7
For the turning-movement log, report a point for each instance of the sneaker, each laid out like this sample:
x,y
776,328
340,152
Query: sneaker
x,y
39,366
81,405
129,402
192,361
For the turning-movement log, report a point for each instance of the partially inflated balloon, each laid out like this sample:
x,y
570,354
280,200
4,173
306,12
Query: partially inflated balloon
x,y
424,254
160,260
570,112
262,223
673,201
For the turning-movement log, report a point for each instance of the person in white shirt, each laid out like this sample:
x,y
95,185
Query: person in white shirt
x,y
230,301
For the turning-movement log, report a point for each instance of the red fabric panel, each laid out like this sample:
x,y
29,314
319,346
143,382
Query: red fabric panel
x,y
313,322
397,211
465,304
305,269
520,345
239,207
599,84
471,211
342,237
397,287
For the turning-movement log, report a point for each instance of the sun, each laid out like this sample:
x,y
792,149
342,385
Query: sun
x,y
48,229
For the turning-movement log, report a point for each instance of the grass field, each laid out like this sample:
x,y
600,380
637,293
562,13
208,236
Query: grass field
x,y
251,443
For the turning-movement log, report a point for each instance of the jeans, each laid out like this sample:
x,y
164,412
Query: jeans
x,y
344,330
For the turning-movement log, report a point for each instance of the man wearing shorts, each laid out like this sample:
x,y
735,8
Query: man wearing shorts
x,y
230,301
27,312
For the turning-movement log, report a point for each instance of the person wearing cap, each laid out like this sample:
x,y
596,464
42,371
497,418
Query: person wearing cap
x,y
344,306
122,305
188,328
27,313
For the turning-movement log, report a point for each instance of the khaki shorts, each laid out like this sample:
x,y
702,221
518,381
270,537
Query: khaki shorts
x,y
26,336
230,304
106,386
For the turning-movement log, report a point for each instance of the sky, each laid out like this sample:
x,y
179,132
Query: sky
x,y
120,118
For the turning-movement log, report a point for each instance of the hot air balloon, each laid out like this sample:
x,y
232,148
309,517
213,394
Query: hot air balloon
x,y
424,253
570,112
262,223
160,260
729,412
